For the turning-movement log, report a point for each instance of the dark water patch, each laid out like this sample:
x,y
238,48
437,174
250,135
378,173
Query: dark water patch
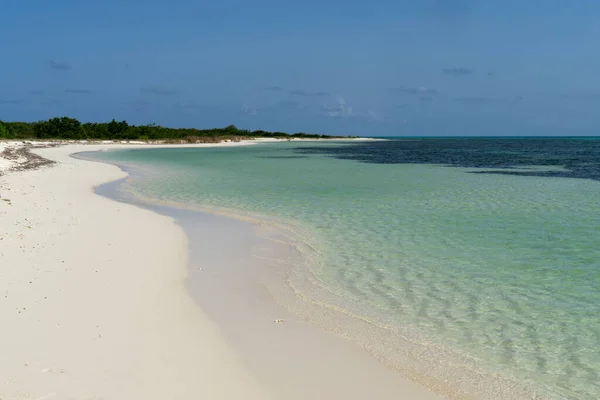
x,y
282,157
578,156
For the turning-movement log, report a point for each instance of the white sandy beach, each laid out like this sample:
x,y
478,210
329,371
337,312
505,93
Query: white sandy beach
x,y
92,298
94,306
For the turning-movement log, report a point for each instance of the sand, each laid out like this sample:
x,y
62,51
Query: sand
x,y
94,305
92,300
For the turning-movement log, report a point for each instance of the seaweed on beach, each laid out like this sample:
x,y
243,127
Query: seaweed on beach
x,y
24,159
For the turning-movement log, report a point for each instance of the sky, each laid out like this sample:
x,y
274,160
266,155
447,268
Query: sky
x,y
372,68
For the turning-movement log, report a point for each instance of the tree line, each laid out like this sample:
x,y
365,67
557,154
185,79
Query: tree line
x,y
66,128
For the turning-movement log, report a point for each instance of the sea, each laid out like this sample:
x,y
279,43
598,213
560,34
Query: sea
x,y
464,263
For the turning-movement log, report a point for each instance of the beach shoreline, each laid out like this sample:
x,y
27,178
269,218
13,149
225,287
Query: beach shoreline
x,y
79,323
319,350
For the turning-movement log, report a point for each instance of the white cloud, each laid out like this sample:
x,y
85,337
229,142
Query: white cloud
x,y
342,110
249,111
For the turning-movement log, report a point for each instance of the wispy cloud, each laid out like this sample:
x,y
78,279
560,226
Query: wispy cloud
x,y
342,110
78,91
415,90
458,72
289,104
474,100
372,115
345,111
249,110
308,94
367,116
274,88
13,102
61,66
50,102
159,90
186,105
142,103
593,97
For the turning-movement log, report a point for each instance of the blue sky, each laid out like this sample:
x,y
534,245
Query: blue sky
x,y
428,67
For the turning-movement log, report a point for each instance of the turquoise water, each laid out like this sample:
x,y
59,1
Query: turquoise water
x,y
503,268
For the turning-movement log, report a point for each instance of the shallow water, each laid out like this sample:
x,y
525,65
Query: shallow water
x,y
502,266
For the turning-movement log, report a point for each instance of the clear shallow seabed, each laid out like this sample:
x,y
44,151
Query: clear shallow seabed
x,y
496,257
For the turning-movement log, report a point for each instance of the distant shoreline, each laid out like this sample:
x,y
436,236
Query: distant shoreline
x,y
65,128
10,149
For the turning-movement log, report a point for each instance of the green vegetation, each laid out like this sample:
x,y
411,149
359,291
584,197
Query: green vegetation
x,y
66,128
3,131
